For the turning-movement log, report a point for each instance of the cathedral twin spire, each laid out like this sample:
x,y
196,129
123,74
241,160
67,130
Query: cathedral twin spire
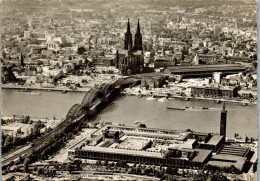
x,y
138,28
138,38
128,27
128,38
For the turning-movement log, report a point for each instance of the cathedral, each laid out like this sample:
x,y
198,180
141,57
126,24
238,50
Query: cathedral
x,y
130,60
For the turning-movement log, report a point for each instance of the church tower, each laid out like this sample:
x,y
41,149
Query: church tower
x,y
223,121
128,38
131,59
138,38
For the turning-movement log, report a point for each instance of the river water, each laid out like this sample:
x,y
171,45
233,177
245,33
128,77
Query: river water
x,y
47,104
128,109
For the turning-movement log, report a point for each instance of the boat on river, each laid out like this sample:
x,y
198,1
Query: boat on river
x,y
244,104
175,108
137,122
218,101
196,108
187,99
35,93
150,98
187,108
24,90
162,99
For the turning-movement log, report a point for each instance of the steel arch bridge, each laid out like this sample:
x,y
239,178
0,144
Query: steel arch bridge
x,y
91,96
76,110
106,88
95,95
121,82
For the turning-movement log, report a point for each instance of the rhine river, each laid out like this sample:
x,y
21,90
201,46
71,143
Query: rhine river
x,y
128,109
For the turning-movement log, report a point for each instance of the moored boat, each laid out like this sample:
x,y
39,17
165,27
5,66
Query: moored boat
x,y
196,108
187,99
137,122
35,93
244,104
24,90
218,101
162,99
150,98
175,108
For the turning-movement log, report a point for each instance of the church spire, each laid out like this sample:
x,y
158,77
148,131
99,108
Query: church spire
x,y
128,38
128,27
138,28
138,45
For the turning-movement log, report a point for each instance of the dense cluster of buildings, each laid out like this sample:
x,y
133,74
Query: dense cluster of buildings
x,y
202,50
176,40
130,60
230,86
183,149
23,126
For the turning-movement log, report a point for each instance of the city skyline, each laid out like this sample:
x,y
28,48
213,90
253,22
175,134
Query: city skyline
x,y
150,90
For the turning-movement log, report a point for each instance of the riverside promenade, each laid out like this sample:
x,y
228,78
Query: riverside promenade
x,y
64,89
142,93
156,94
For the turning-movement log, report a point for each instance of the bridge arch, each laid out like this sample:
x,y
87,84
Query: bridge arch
x,y
91,96
73,110
106,88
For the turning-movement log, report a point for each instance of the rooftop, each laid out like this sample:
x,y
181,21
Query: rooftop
x,y
227,160
215,139
152,132
202,155
123,151
189,143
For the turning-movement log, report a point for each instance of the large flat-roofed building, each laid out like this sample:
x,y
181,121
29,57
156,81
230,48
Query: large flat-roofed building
x,y
153,80
164,62
11,130
222,160
183,149
215,142
16,129
204,70
223,91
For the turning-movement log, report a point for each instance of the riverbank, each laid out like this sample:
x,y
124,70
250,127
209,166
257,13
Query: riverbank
x,y
23,88
243,103
130,109
187,98
132,93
